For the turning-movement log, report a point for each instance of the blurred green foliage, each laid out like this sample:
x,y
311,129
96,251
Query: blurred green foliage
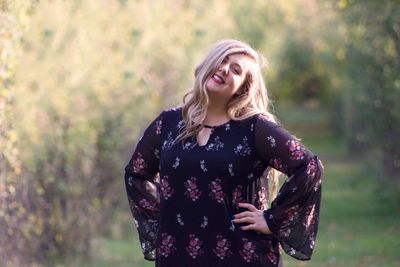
x,y
80,80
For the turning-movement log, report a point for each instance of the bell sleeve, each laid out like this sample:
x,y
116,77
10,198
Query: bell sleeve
x,y
142,187
293,217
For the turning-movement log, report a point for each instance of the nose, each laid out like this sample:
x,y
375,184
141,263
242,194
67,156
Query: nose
x,y
224,68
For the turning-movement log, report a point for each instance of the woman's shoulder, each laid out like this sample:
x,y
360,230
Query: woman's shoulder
x,y
260,119
171,116
172,111
266,120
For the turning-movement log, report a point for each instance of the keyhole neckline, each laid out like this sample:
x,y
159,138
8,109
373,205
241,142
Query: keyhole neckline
x,y
217,126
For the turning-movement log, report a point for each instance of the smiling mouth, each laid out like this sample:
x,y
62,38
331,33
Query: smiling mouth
x,y
218,79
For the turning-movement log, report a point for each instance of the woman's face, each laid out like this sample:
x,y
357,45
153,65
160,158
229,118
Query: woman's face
x,y
229,76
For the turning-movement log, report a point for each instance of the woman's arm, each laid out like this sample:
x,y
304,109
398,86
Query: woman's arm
x,y
142,186
294,214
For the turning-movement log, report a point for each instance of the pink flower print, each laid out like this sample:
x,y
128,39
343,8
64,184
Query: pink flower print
x,y
292,215
166,190
167,245
194,247
192,191
237,195
248,252
216,191
271,256
222,249
148,205
285,232
158,126
297,151
139,164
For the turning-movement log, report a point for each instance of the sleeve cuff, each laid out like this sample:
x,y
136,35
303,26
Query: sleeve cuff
x,y
269,218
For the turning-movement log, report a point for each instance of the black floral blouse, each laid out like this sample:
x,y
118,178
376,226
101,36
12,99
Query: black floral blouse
x,y
183,196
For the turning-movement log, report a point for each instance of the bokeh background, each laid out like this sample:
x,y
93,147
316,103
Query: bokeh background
x,y
81,79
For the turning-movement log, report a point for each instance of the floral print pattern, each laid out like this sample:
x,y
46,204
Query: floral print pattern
x,y
297,151
179,219
230,169
166,190
179,182
167,245
194,247
248,251
204,223
271,141
139,164
243,149
146,204
176,164
169,142
292,215
216,191
215,145
192,191
271,256
222,248
188,144
203,165
158,126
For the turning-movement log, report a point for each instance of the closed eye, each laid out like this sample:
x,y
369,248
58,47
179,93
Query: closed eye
x,y
236,71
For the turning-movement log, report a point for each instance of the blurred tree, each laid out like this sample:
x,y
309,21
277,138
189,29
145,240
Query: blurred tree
x,y
15,219
84,79
373,86
90,76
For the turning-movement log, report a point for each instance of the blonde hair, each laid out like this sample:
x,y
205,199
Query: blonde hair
x,y
252,98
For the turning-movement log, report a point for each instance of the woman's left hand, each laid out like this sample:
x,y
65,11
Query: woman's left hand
x,y
254,217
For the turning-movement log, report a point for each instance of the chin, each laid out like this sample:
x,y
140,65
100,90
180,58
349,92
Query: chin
x,y
212,87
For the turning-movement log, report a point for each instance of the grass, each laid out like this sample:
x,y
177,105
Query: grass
x,y
359,223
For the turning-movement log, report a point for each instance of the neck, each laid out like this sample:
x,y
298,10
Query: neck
x,y
216,114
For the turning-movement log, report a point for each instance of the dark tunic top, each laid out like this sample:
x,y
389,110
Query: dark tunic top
x,y
183,196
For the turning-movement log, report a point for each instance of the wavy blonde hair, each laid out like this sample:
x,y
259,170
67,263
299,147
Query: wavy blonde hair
x,y
251,99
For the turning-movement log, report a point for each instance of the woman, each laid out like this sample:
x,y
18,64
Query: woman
x,y
195,181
